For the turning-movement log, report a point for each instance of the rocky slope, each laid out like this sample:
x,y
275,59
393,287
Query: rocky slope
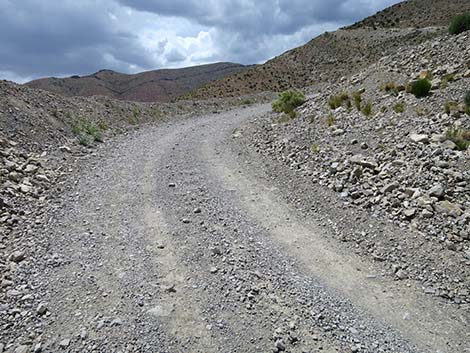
x,y
330,56
150,86
405,160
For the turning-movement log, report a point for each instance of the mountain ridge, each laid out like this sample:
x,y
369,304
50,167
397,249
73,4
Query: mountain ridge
x,y
161,85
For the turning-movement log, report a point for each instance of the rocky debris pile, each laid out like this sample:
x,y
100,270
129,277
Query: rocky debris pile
x,y
401,158
42,121
24,179
25,184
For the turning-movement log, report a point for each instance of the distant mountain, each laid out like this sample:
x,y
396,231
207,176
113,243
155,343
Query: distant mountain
x,y
151,86
333,55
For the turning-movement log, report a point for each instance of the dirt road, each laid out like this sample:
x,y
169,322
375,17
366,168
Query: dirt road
x,y
173,241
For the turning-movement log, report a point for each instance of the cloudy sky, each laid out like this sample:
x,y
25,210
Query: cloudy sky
x,y
64,37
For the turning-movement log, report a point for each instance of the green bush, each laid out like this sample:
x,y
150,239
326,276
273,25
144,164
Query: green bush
x,y
467,99
288,101
459,24
421,88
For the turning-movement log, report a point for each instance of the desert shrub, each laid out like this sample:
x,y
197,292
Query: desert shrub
x,y
459,24
84,140
449,106
156,113
337,101
446,79
459,136
421,111
421,88
103,125
367,109
467,100
246,101
390,87
288,101
357,98
331,120
86,131
399,108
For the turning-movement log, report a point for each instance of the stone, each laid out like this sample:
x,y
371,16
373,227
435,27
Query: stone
x,y
17,256
197,210
30,168
37,348
401,274
171,185
42,178
427,214
116,322
64,343
390,187
280,346
419,138
438,138
22,349
363,162
449,145
65,149
448,208
409,213
25,189
437,191
14,176
41,309
213,269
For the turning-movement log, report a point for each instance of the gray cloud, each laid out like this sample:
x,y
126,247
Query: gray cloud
x,y
58,38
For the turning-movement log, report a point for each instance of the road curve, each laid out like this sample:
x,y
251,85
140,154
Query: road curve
x,y
170,241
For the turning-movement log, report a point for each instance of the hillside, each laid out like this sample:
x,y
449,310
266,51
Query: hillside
x,y
150,86
331,56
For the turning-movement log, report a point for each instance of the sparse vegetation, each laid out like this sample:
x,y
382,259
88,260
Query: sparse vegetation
x,y
367,109
103,125
459,136
337,101
446,79
357,98
288,101
390,87
467,102
421,111
399,108
156,113
315,148
450,106
246,101
331,120
421,88
87,131
459,24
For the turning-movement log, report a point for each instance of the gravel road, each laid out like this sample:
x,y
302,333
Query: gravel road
x,y
172,239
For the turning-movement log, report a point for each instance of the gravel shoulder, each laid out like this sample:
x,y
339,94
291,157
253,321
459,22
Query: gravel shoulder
x,y
177,238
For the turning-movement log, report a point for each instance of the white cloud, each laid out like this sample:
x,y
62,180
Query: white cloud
x,y
46,37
